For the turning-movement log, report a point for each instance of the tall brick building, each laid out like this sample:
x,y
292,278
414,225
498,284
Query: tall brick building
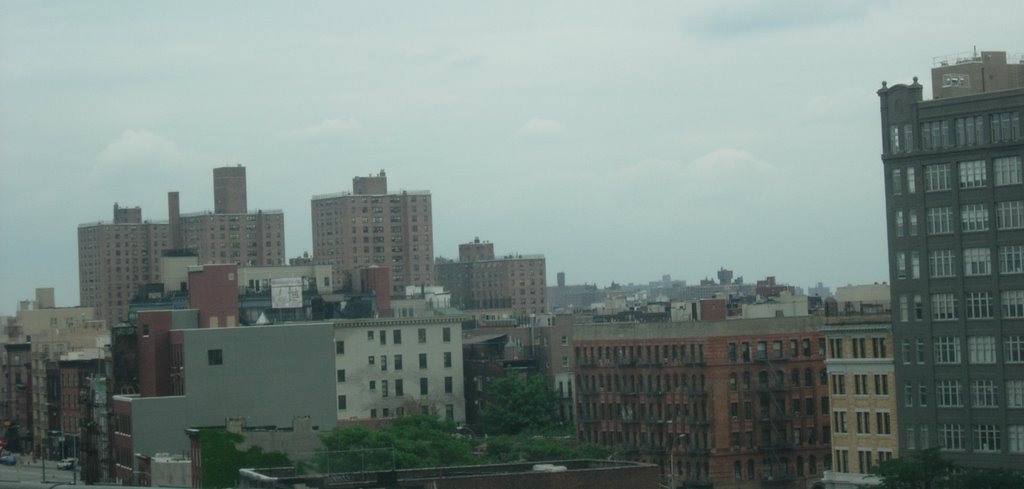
x,y
371,226
738,403
116,258
480,280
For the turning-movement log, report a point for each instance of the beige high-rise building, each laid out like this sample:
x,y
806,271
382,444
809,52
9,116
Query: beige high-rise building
x,y
116,258
371,226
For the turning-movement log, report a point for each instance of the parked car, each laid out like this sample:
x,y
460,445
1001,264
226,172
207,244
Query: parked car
x,y
67,463
8,460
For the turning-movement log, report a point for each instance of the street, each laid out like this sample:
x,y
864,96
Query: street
x,y
27,471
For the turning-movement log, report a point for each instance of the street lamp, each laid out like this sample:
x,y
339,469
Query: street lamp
x,y
672,458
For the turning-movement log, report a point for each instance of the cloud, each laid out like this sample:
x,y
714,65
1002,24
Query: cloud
x,y
731,17
329,128
541,127
729,161
139,147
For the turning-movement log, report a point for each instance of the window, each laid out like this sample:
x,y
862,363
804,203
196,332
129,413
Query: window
x,y
370,360
860,383
879,348
1013,303
1015,393
977,261
934,134
922,394
1007,171
398,362
939,220
341,375
898,223
908,394
384,389
373,385
383,337
423,386
910,437
449,412
915,264
947,350
342,403
881,384
911,185
972,174
905,351
936,178
1004,126
947,393
421,335
920,350
969,130
839,421
1014,349
446,334
951,436
369,335
339,347
943,307
940,264
447,385
399,388
863,422
978,305
894,143
983,394
897,178
981,349
973,217
1010,215
215,357
839,384
1015,438
447,359
986,438
423,360
397,337
918,307
1011,259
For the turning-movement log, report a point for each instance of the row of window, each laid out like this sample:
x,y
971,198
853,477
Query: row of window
x,y
968,174
863,424
396,337
1009,215
949,393
780,470
977,305
399,385
976,262
861,382
981,350
959,132
398,363
879,347
864,459
953,436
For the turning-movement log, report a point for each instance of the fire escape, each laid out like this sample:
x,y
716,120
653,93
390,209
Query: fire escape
x,y
774,421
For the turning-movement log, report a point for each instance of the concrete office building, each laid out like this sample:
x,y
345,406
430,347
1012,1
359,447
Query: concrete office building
x,y
955,216
393,367
115,259
194,376
481,280
730,403
371,226
862,389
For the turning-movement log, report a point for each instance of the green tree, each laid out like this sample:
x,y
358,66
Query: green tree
x,y
409,442
221,458
926,469
519,405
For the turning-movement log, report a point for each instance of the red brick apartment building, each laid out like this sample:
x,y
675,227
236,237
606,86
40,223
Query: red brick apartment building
x,y
481,280
372,227
739,403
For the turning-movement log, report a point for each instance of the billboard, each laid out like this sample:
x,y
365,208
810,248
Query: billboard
x,y
285,293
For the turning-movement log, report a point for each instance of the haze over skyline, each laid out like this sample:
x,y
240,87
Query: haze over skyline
x,y
621,142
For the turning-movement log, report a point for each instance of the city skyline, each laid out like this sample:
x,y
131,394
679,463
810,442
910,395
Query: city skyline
x,y
623,144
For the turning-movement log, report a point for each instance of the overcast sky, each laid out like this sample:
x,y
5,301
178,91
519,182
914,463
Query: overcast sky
x,y
622,140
